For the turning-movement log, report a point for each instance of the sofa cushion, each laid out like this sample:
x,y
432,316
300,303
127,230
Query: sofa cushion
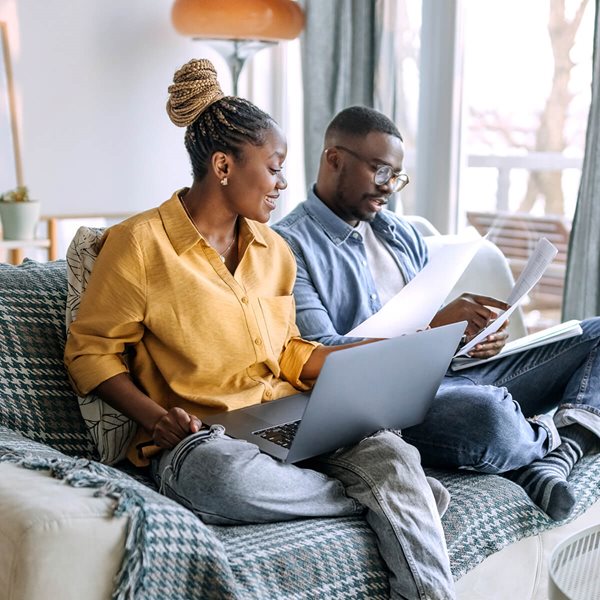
x,y
110,429
36,397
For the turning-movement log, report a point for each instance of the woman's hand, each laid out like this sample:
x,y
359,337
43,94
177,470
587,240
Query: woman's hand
x,y
174,426
167,427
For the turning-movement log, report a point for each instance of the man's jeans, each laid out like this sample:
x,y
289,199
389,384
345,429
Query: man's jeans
x,y
230,482
487,417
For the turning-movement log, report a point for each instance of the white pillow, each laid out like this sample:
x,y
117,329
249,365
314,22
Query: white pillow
x,y
110,429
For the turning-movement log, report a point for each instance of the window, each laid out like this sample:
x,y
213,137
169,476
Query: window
x,y
526,95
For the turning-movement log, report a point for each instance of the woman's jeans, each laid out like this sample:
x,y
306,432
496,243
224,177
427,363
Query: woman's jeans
x,y
491,417
230,482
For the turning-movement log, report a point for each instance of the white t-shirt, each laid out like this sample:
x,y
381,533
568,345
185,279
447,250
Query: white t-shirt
x,y
384,269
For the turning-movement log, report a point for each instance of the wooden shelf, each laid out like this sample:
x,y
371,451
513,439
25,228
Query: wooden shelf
x,y
16,247
10,244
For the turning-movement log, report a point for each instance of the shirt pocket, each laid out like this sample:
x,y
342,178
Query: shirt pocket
x,y
278,313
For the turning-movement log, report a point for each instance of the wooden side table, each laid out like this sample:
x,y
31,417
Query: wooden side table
x,y
16,248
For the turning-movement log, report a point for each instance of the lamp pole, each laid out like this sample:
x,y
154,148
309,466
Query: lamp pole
x,y
236,53
237,29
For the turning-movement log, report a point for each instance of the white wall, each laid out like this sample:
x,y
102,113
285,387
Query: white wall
x,y
91,81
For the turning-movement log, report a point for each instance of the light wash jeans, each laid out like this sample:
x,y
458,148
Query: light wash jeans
x,y
230,482
490,417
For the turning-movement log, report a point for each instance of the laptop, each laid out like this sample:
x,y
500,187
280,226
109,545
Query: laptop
x,y
385,385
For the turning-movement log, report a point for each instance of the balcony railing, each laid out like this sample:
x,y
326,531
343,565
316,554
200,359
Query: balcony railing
x,y
517,233
534,161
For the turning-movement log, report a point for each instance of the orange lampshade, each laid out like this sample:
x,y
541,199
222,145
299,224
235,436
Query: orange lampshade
x,y
270,20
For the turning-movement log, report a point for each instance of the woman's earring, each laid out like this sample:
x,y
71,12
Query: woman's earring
x,y
224,181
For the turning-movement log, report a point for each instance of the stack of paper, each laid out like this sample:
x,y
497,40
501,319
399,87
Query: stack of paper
x,y
416,304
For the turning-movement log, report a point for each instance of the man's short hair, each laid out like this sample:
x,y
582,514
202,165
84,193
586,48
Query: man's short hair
x,y
360,121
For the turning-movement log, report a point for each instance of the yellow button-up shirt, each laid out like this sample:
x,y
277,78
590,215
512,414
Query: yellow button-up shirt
x,y
195,335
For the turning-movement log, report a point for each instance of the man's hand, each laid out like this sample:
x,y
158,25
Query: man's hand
x,y
492,344
173,426
471,308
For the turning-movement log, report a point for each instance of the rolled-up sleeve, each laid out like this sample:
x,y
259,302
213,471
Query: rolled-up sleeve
x,y
293,359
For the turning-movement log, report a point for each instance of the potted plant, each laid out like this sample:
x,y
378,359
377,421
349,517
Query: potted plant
x,y
19,214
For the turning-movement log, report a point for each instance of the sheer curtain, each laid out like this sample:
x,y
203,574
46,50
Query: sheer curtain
x,y
582,283
338,65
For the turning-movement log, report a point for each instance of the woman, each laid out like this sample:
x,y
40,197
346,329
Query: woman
x,y
197,293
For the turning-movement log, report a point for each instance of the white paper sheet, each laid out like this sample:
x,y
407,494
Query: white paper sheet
x,y
539,260
418,301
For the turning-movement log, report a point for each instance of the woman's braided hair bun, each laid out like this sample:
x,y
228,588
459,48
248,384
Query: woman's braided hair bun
x,y
194,89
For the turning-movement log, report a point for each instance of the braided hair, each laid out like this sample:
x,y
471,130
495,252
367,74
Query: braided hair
x,y
214,122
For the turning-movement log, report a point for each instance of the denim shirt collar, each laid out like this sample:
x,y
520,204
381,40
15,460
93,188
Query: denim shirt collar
x,y
336,228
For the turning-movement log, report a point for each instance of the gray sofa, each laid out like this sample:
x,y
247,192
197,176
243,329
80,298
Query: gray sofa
x,y
71,527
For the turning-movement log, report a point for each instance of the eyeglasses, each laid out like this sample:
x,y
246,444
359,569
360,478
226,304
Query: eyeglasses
x,y
383,174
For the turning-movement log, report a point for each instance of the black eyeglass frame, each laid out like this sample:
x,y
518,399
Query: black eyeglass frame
x,y
382,174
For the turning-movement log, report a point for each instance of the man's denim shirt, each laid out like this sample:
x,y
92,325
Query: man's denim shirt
x,y
334,289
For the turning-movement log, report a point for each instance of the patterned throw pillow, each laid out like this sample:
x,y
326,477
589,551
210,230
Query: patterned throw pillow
x,y
110,429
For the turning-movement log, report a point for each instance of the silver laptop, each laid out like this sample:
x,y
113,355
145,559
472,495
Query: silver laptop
x,y
388,384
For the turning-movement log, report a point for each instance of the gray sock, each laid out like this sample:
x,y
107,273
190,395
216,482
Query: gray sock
x,y
545,480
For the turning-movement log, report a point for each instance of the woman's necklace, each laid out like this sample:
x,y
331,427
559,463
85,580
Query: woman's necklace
x,y
222,255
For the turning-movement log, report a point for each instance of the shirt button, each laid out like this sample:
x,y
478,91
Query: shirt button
x,y
258,341
245,300
356,235
364,263
268,393
373,296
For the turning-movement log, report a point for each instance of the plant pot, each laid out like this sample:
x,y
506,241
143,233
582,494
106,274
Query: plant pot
x,y
19,219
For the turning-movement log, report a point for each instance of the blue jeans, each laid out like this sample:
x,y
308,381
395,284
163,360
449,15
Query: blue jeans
x,y
230,482
487,417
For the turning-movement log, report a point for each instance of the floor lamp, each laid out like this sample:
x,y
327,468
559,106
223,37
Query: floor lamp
x,y
237,29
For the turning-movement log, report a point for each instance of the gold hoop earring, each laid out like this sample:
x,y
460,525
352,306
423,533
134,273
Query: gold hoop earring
x,y
224,181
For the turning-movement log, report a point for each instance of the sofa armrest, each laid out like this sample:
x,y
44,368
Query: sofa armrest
x,y
422,225
96,531
56,541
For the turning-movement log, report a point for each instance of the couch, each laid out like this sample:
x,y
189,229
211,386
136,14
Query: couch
x,y
73,528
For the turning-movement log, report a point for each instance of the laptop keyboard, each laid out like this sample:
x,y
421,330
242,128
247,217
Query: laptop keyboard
x,y
282,435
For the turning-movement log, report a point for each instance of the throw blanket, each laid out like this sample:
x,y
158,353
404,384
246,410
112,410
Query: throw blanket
x,y
172,554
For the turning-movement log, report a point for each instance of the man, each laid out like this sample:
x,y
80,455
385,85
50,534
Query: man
x,y
353,256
